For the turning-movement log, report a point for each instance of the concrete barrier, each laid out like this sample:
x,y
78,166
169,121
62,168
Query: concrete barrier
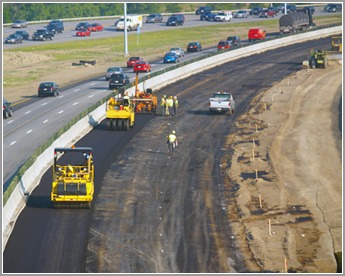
x,y
32,176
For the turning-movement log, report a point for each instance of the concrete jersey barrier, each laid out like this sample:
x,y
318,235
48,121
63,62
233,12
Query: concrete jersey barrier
x,y
31,178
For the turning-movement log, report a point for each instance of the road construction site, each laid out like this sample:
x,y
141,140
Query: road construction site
x,y
199,210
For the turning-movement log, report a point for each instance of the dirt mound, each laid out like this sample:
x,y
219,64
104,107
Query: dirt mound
x,y
17,58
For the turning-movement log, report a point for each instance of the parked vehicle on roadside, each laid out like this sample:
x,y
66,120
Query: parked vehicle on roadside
x,y
24,34
132,61
20,24
154,18
256,11
175,21
268,13
171,57
224,44
202,9
6,109
95,27
111,71
42,34
256,34
142,66
14,39
223,16
118,80
55,27
194,47
222,102
48,88
82,25
177,50
241,14
235,40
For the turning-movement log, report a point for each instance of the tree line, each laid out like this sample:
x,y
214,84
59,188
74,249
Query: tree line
x,y
48,11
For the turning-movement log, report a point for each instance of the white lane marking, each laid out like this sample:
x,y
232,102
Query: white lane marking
x,y
60,112
75,103
44,104
28,112
29,131
92,83
105,90
45,121
13,143
10,122
60,97
76,90
90,96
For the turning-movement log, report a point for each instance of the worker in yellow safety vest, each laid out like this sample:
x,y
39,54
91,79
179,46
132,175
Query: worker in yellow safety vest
x,y
170,103
172,142
175,105
163,104
126,101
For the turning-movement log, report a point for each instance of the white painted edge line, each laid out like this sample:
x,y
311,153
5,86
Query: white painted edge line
x,y
60,112
13,143
29,131
75,103
45,121
28,112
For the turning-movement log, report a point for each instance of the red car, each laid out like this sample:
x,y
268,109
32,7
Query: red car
x,y
95,27
141,66
84,33
132,61
224,44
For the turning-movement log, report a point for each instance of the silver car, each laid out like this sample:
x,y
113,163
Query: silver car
x,y
178,51
113,70
20,24
241,14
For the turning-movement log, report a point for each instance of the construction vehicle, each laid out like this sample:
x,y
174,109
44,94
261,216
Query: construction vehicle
x,y
73,186
337,46
145,101
120,112
318,59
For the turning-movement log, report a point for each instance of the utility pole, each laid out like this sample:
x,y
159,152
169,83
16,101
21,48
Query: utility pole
x,y
271,5
125,28
285,12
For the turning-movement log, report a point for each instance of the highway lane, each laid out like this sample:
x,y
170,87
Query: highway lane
x,y
110,30
37,119
45,240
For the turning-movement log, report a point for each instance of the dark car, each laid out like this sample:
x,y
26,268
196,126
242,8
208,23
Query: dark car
x,y
327,6
205,14
312,9
289,8
56,21
42,34
154,18
194,46
82,26
175,20
48,88
180,15
235,40
256,11
335,8
23,34
276,9
6,109
55,27
14,39
117,80
202,9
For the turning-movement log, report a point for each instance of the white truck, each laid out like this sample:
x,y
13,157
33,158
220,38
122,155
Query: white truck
x,y
223,16
222,102
133,21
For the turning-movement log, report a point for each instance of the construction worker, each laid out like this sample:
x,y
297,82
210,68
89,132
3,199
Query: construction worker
x,y
126,100
175,105
163,104
170,103
172,142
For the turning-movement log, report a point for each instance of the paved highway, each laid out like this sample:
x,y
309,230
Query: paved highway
x,y
110,30
122,231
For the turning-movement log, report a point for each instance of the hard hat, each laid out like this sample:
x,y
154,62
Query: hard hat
x,y
173,132
164,96
175,97
170,96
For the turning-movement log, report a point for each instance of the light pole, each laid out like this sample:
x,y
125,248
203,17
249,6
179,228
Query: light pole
x,y
285,12
125,28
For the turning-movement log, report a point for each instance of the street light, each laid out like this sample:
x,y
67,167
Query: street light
x,y
125,28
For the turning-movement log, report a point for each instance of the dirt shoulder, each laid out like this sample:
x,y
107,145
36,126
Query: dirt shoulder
x,y
297,154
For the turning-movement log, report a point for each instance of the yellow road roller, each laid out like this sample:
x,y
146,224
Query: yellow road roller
x,y
73,185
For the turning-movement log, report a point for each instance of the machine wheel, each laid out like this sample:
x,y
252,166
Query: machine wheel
x,y
325,61
108,124
88,205
126,124
113,125
119,124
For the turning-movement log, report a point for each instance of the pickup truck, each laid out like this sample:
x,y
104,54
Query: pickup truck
x,y
42,34
222,102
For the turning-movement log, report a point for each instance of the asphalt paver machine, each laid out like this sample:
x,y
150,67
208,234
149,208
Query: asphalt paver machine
x,y
145,101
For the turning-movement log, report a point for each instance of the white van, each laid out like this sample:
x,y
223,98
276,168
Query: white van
x,y
133,21
223,16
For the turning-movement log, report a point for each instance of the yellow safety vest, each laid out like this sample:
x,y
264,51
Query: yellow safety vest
x,y
172,138
176,103
163,101
170,102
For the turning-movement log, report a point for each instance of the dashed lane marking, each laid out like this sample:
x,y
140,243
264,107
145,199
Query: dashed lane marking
x,y
44,104
90,96
28,112
29,131
75,103
13,143
76,90
60,112
45,121
10,122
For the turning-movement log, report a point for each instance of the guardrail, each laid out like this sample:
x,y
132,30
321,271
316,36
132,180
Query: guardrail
x,y
24,175
119,16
